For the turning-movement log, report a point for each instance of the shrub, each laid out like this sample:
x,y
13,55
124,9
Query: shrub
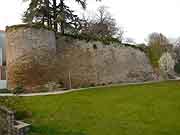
x,y
157,45
19,89
106,40
155,53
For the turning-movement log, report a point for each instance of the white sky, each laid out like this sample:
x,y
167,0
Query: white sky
x,y
138,17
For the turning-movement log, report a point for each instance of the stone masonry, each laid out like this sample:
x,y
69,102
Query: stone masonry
x,y
8,124
92,63
29,51
6,121
35,57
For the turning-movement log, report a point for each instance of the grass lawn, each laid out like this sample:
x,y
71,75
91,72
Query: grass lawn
x,y
151,109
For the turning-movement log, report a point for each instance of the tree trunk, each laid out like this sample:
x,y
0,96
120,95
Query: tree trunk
x,y
48,13
62,13
50,23
43,20
55,15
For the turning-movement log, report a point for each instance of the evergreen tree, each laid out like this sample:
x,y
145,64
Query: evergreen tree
x,y
53,14
38,12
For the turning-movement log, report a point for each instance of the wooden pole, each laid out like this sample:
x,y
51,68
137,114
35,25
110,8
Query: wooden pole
x,y
70,86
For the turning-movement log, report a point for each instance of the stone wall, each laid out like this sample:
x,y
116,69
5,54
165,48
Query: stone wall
x,y
35,58
6,121
92,63
29,52
8,124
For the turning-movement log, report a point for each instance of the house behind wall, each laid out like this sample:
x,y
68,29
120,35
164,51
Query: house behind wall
x,y
2,55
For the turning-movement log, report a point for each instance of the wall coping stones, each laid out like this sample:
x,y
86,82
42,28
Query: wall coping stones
x,y
21,128
8,28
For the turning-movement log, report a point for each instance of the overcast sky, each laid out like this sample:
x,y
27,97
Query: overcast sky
x,y
138,17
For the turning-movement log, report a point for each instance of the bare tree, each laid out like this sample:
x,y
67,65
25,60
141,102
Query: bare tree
x,y
158,39
157,45
102,24
102,15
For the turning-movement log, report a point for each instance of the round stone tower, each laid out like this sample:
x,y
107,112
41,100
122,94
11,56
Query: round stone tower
x,y
30,51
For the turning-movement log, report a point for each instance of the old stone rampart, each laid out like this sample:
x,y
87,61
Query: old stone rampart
x,y
36,57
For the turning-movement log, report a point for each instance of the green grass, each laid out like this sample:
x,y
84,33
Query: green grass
x,y
151,109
